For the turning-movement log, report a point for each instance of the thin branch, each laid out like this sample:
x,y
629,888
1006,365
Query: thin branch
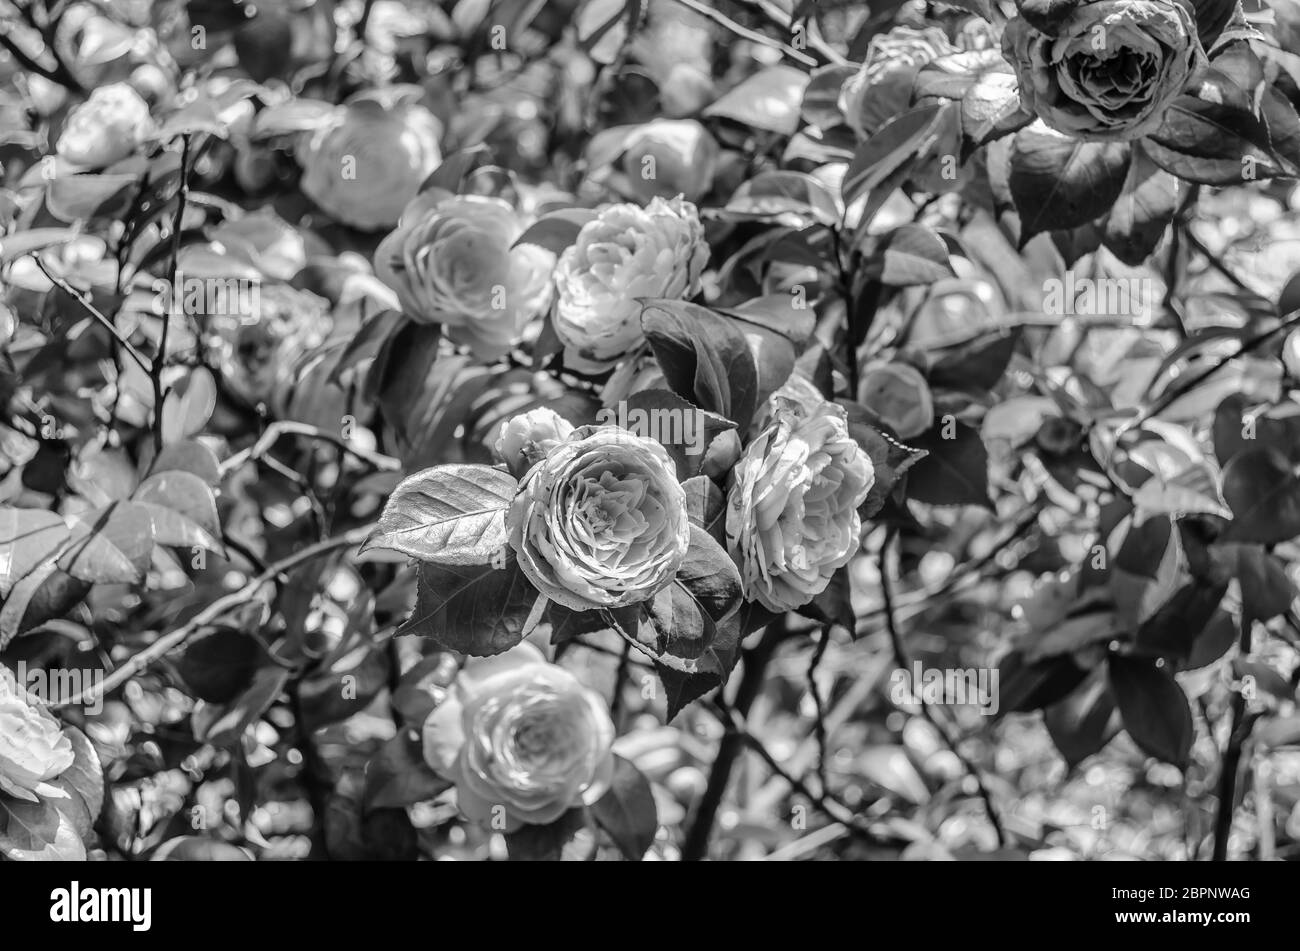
x,y
745,32
819,724
160,363
144,362
141,662
287,428
902,662
1242,723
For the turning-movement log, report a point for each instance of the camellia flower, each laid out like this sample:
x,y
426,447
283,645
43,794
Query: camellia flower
x,y
105,128
670,157
623,254
1111,68
33,750
256,348
528,438
601,522
899,395
882,87
792,517
451,261
364,166
522,739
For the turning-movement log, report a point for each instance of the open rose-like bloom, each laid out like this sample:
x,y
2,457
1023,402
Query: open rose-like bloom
x,y
601,522
623,254
33,750
1111,70
522,739
882,88
106,127
792,517
370,160
528,438
451,261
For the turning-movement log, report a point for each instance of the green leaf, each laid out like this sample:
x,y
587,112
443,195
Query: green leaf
x,y
187,456
1025,686
113,545
1084,722
78,197
783,193
1214,641
1172,630
1153,708
953,471
398,776
705,592
627,811
558,841
1266,588
706,506
219,666
85,777
38,832
890,151
768,100
890,459
473,609
1142,211
991,108
1212,144
976,365
27,538
685,430
705,358
188,407
453,514
182,508
1058,183
557,230
223,725
910,255
1264,495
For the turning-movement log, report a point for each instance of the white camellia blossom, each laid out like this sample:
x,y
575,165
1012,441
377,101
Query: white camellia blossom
x,y
370,160
792,517
601,522
523,740
105,128
33,749
623,254
452,261
670,157
900,396
528,438
1112,69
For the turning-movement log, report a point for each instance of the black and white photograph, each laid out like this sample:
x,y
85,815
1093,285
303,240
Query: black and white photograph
x,y
650,431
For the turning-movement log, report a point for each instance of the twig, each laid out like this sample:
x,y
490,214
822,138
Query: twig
x,y
901,661
831,805
287,428
819,724
696,846
779,18
160,362
745,32
1242,723
140,662
145,363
